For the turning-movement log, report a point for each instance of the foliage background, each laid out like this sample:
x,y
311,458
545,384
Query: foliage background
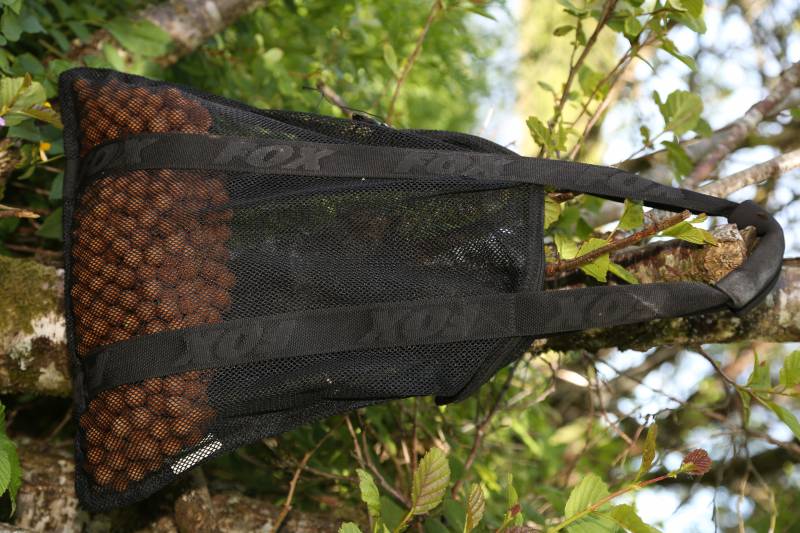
x,y
554,418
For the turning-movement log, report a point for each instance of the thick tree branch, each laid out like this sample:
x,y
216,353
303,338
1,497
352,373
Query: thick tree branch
x,y
740,129
750,176
188,22
33,351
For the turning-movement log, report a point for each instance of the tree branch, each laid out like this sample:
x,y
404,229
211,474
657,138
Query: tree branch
x,y
188,22
740,129
773,168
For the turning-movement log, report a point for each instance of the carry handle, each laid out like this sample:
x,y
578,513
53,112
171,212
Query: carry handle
x,y
751,281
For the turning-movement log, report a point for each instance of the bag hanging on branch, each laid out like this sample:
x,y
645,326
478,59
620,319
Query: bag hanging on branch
x,y
233,273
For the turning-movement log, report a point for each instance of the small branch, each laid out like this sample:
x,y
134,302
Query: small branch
x,y
365,461
480,430
435,9
773,168
333,97
740,129
287,506
619,244
194,510
608,9
8,212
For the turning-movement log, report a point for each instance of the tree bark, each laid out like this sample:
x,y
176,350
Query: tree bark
x,y
188,22
33,357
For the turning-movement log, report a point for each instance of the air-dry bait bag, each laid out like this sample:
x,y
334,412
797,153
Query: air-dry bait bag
x,y
233,273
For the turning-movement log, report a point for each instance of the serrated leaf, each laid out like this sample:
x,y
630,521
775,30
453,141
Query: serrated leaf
x,y
787,417
678,158
552,210
623,273
539,132
759,378
390,57
693,7
681,111
369,493
669,47
686,232
430,482
589,80
567,248
349,527
648,451
5,471
597,268
593,523
140,37
625,516
9,450
790,372
475,507
632,215
590,490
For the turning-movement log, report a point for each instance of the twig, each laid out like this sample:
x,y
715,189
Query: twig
x,y
18,212
740,129
649,231
773,168
608,9
287,505
194,510
435,9
333,97
365,461
480,429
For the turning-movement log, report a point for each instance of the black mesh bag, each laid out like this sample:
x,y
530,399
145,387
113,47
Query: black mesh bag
x,y
233,273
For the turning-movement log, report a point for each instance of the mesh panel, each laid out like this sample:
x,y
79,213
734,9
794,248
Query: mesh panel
x,y
160,250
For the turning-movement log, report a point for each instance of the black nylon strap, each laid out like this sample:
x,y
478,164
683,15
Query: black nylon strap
x,y
288,157
413,323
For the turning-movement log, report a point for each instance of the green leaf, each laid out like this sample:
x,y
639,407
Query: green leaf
x,y
623,273
787,417
590,490
552,210
632,26
681,111
430,482
745,397
539,132
678,158
648,451
686,232
51,227
589,80
390,57
567,249
5,471
391,513
9,450
598,268
10,25
790,373
593,523
349,527
140,37
475,507
57,187
669,47
632,216
693,7
625,516
513,515
759,378
369,493
563,30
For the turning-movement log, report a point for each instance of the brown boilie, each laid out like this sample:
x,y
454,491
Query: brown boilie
x,y
149,255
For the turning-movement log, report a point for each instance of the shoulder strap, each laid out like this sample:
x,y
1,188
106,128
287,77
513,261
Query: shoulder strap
x,y
529,313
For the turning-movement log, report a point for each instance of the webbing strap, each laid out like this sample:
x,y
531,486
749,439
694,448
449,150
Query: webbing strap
x,y
288,157
396,324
